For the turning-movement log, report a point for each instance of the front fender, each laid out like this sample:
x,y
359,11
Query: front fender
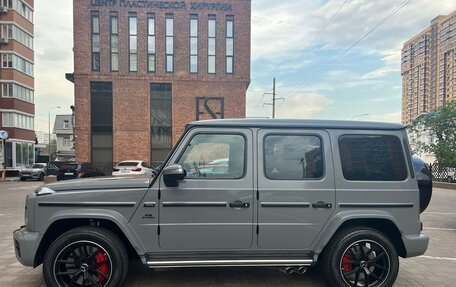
x,y
102,214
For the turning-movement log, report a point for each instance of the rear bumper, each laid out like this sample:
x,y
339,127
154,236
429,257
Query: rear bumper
x,y
25,245
416,244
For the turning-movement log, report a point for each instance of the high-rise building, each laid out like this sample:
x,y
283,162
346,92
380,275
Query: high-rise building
x,y
144,69
429,68
17,107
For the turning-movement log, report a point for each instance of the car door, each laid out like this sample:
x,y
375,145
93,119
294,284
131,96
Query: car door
x,y
296,191
210,210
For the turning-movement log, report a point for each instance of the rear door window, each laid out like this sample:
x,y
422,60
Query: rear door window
x,y
372,158
293,157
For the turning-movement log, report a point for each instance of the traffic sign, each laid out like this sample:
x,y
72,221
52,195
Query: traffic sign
x,y
3,135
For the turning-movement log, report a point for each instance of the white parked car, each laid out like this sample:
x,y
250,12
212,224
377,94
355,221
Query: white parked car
x,y
131,167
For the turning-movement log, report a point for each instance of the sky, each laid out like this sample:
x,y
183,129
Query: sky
x,y
302,43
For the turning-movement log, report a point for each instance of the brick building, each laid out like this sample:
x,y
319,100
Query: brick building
x,y
429,68
17,109
144,69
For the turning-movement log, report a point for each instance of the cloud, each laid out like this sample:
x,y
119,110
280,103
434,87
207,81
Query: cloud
x,y
394,117
299,105
53,58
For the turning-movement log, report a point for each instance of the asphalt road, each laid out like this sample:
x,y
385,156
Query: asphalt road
x,y
436,268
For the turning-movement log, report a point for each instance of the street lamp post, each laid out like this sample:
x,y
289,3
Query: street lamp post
x,y
49,134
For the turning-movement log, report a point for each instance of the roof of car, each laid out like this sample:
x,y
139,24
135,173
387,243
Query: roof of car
x,y
298,123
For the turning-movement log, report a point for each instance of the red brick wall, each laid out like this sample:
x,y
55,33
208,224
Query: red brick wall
x,y
131,90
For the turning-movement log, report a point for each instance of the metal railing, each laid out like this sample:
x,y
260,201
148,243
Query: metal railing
x,y
442,173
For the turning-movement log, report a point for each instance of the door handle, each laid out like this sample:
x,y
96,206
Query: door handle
x,y
239,204
321,204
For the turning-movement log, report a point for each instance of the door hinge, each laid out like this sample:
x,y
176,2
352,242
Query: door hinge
x,y
258,229
159,194
258,194
158,229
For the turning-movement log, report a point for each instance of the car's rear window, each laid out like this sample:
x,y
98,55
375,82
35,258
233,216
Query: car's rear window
x,y
128,163
372,158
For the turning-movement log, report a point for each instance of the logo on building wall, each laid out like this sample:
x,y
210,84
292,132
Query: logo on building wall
x,y
210,108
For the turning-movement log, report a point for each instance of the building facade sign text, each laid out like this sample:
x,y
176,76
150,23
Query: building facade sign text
x,y
169,5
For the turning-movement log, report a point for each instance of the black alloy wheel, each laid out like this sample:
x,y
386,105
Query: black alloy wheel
x,y
86,256
365,263
83,263
360,256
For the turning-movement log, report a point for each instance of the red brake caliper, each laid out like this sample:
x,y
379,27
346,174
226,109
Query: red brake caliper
x,y
346,266
102,257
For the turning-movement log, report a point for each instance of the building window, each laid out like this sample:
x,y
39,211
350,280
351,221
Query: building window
x,y
66,125
133,42
229,45
18,63
96,42
193,43
161,121
20,7
169,43
66,141
151,43
12,90
101,121
114,43
25,154
11,31
211,46
20,121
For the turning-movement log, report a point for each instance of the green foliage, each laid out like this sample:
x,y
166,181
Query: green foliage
x,y
441,125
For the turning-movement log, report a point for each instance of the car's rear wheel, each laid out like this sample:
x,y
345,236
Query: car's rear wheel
x,y
86,256
41,177
360,257
449,179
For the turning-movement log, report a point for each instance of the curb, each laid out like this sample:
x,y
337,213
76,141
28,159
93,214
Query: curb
x,y
10,179
444,185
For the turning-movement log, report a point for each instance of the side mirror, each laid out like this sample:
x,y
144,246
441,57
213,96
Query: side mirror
x,y
173,174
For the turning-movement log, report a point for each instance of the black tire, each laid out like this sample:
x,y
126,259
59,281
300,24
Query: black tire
x,y
357,254
41,177
22,179
80,249
449,179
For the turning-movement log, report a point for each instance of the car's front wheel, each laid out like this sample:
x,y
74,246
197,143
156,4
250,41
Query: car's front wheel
x,y
360,257
86,256
449,179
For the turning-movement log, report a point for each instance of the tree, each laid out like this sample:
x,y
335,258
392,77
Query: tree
x,y
439,128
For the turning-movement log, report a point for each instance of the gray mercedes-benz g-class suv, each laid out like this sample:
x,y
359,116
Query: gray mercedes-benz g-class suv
x,y
289,193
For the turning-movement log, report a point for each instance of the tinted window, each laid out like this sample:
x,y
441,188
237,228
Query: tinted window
x,y
372,158
128,163
214,156
293,157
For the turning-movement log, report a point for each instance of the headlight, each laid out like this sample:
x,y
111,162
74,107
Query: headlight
x,y
44,191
